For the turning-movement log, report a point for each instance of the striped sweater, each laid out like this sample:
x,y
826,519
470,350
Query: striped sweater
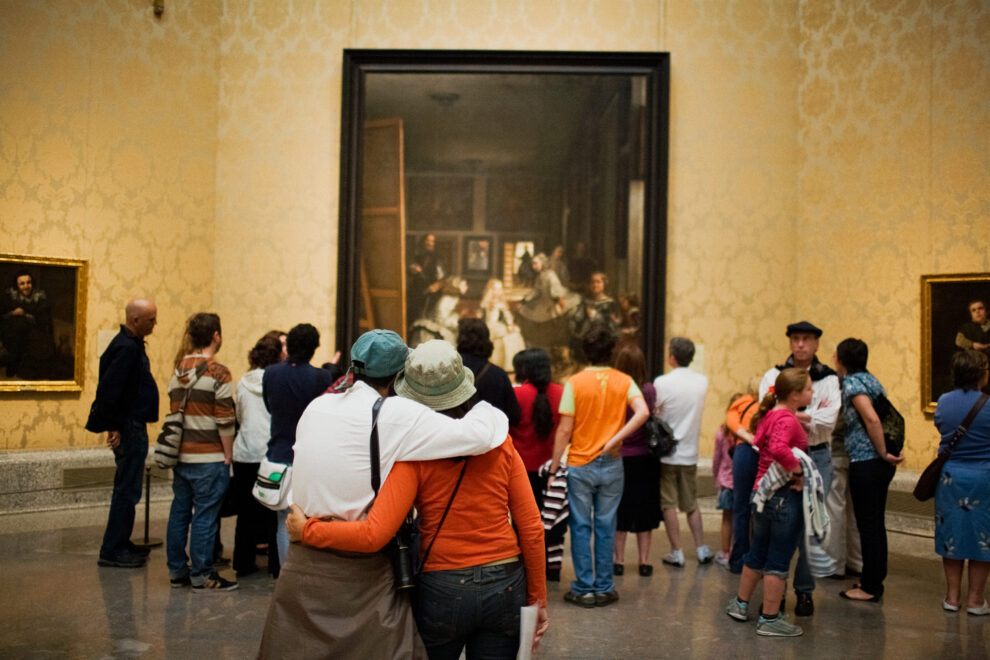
x,y
210,408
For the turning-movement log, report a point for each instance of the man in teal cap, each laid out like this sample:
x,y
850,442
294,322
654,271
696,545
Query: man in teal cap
x,y
347,604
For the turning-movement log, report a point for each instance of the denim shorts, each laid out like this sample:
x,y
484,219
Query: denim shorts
x,y
776,533
724,502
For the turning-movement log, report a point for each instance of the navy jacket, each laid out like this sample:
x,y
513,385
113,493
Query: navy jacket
x,y
126,389
287,388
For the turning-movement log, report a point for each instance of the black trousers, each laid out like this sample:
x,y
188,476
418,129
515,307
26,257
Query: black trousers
x,y
254,522
868,484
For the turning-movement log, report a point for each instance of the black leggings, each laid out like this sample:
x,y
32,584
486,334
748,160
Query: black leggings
x,y
868,484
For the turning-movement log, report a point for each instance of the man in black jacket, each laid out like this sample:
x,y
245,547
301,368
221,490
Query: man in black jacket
x,y
126,401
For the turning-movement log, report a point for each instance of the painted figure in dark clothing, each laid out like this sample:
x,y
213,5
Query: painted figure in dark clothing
x,y
426,277
26,328
975,333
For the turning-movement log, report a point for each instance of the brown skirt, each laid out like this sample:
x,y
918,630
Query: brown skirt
x,y
328,604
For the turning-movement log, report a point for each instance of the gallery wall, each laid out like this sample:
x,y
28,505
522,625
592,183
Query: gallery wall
x,y
108,147
894,176
821,159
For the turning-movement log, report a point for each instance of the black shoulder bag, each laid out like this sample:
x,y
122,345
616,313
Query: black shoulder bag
x,y
402,548
659,437
925,488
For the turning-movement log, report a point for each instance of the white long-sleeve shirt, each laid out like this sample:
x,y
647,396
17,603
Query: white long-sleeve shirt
x,y
332,468
826,399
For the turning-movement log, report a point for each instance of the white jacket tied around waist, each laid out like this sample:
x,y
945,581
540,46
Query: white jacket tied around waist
x,y
817,524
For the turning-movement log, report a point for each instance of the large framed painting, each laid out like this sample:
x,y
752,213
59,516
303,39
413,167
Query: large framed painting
x,y
953,318
563,154
42,323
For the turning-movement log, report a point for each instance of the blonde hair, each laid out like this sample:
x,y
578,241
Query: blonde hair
x,y
488,297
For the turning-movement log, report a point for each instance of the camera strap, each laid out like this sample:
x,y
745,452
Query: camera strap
x,y
444,517
376,476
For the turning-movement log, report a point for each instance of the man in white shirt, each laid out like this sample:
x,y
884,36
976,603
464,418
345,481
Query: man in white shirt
x,y
680,401
818,420
345,604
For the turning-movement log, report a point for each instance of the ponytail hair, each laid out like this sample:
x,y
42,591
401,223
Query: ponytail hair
x,y
788,381
538,375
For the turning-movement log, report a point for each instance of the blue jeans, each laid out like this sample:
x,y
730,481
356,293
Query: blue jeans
x,y
198,490
477,607
804,582
745,462
129,457
776,533
594,491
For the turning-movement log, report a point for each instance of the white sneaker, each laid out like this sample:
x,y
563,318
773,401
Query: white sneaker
x,y
722,558
675,558
704,555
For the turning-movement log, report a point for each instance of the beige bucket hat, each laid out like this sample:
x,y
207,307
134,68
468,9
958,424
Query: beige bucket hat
x,y
435,376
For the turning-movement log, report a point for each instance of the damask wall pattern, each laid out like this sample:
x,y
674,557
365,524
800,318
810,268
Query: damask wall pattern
x,y
894,176
108,153
823,155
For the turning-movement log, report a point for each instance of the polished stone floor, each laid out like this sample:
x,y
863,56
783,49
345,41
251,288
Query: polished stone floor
x,y
59,604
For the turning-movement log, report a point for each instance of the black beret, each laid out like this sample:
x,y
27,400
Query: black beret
x,y
805,328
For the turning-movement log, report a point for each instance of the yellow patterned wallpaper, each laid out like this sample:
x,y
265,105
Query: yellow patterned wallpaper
x,y
823,156
894,176
108,153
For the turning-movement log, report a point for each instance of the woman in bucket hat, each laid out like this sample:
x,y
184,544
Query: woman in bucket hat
x,y
477,573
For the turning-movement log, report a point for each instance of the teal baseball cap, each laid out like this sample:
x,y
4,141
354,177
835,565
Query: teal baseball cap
x,y
378,354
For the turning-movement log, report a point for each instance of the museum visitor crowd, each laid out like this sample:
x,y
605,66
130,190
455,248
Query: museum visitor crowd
x,y
496,471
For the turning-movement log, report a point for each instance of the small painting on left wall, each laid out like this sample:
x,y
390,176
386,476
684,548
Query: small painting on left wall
x,y
42,323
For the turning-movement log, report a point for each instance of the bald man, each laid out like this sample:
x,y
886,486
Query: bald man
x,y
126,401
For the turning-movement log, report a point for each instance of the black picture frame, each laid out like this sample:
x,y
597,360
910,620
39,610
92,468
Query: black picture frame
x,y
653,165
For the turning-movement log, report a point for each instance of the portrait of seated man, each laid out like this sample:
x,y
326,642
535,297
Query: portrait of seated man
x,y
26,329
975,333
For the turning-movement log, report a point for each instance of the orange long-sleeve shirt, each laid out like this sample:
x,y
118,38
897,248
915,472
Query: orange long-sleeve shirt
x,y
477,529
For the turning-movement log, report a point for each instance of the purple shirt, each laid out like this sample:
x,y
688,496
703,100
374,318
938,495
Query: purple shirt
x,y
635,442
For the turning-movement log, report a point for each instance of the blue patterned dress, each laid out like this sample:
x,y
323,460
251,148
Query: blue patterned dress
x,y
962,497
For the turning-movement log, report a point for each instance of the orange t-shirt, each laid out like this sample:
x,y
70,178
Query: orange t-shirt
x,y
597,399
477,529
739,414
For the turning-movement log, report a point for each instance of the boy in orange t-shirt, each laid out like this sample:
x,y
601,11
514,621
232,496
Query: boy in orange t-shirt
x,y
593,422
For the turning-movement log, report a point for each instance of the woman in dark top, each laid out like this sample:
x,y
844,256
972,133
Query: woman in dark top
x,y
493,385
962,497
639,510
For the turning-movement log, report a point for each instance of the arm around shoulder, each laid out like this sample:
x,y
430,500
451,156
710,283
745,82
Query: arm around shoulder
x,y
370,535
428,435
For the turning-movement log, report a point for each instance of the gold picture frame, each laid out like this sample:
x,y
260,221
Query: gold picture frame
x,y
944,310
42,323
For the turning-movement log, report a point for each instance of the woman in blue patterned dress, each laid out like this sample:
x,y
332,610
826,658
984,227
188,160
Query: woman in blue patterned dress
x,y
871,468
962,497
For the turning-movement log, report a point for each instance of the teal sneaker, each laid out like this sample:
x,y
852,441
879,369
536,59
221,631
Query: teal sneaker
x,y
778,627
737,609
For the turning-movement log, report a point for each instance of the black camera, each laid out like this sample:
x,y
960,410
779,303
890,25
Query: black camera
x,y
403,550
